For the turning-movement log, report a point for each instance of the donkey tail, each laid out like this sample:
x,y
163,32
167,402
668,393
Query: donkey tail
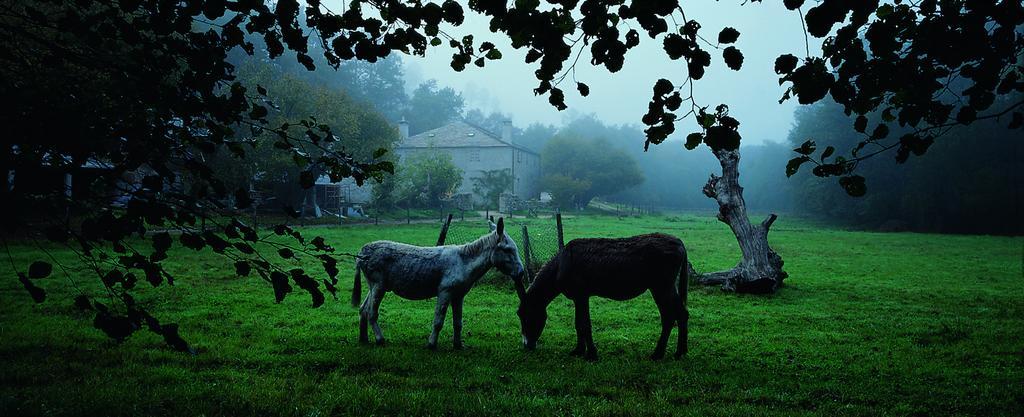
x,y
357,286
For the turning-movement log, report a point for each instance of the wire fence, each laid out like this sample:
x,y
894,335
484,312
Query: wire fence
x,y
538,239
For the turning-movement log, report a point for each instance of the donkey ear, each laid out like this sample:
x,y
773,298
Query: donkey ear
x,y
501,225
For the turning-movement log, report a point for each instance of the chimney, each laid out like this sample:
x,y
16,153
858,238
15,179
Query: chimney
x,y
506,130
403,129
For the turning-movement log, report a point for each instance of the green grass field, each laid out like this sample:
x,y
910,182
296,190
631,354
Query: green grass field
x,y
868,324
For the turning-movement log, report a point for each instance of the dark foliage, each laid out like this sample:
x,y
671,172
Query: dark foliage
x,y
144,93
925,66
969,183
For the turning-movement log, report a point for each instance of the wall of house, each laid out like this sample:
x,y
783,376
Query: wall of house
x,y
474,160
527,172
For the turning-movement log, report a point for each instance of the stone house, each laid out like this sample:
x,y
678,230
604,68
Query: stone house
x,y
475,150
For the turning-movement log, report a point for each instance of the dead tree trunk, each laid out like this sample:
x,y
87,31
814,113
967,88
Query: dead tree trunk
x,y
760,271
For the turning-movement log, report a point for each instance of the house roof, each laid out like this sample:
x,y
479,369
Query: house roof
x,y
458,134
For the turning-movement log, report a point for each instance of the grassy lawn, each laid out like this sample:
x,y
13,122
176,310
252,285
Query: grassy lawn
x,y
868,324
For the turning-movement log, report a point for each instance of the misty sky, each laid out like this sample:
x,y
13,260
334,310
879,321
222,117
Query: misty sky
x,y
767,30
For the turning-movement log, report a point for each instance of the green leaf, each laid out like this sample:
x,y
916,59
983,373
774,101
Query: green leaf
x,y
242,268
693,140
662,87
722,137
828,152
881,131
39,269
805,148
728,35
280,282
854,185
785,64
583,89
733,58
884,10
794,165
861,124
161,241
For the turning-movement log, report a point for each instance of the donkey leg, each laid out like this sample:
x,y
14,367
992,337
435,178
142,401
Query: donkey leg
x,y
668,318
684,326
364,313
365,308
443,299
581,324
457,321
583,315
374,312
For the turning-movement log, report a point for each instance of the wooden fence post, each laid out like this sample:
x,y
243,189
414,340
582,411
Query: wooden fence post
x,y
527,253
444,231
558,226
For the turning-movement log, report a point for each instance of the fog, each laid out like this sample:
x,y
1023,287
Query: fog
x,y
427,93
506,85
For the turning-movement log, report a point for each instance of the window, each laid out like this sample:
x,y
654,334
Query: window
x,y
520,156
474,155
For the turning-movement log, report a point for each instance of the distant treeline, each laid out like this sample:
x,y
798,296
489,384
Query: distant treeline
x,y
970,181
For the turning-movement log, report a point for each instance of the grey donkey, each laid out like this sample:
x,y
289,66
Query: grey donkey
x,y
418,273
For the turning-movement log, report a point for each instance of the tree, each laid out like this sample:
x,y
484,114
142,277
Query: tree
x,y
360,130
140,87
672,176
491,183
565,189
536,135
431,107
577,169
493,122
381,83
425,178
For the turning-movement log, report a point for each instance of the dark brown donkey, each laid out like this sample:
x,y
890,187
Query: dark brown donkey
x,y
619,269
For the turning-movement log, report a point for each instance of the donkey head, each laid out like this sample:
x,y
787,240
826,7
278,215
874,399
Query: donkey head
x,y
532,318
533,303
505,255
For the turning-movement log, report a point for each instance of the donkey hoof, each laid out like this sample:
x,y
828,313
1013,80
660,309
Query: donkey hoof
x,y
364,341
380,342
680,354
576,352
591,357
432,346
657,356
459,345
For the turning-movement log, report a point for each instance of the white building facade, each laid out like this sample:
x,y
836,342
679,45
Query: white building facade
x,y
475,150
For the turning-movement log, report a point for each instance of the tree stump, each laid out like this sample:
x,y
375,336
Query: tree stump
x,y
760,270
